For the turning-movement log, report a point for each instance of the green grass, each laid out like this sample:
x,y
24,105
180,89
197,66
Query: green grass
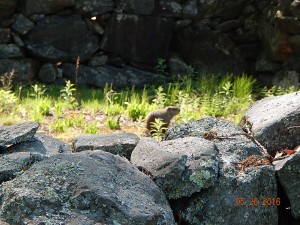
x,y
66,111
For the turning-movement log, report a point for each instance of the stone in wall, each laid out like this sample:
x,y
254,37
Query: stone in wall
x,y
5,37
61,38
224,9
140,7
208,51
30,7
141,39
24,69
7,7
94,8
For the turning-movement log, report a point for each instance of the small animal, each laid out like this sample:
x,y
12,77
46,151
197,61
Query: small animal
x,y
164,114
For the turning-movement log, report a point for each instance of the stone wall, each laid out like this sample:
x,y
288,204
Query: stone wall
x,y
120,41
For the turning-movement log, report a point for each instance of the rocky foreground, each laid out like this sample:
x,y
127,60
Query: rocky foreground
x,y
205,172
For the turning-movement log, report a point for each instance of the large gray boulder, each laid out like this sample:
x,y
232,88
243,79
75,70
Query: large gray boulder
x,y
179,167
61,38
274,122
238,192
83,188
14,134
40,144
117,144
288,173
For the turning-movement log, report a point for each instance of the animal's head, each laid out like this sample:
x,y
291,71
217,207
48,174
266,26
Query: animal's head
x,y
172,110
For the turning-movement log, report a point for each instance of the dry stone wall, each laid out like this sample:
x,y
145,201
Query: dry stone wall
x,y
38,38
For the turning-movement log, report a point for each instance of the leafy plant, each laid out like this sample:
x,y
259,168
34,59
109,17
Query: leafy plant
x,y
158,129
113,123
91,128
161,67
7,100
37,91
68,94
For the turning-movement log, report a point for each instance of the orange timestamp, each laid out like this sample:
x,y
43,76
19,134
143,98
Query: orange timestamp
x,y
267,201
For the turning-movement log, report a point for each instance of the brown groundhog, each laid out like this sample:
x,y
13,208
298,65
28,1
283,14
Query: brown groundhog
x,y
164,114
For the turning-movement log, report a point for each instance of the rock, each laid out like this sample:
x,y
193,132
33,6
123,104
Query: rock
x,y
14,134
98,60
139,7
208,51
31,7
22,25
24,69
288,173
179,167
228,25
94,8
7,7
177,65
190,9
100,76
128,36
58,38
48,73
169,8
17,39
14,164
285,78
212,9
10,51
41,144
231,199
233,187
275,42
84,188
5,37
229,139
117,144
251,22
274,121
265,64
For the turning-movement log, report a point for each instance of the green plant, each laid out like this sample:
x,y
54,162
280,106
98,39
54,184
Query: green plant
x,y
158,129
78,121
43,106
58,109
37,91
7,100
91,128
160,98
68,94
62,124
161,67
113,123
113,109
